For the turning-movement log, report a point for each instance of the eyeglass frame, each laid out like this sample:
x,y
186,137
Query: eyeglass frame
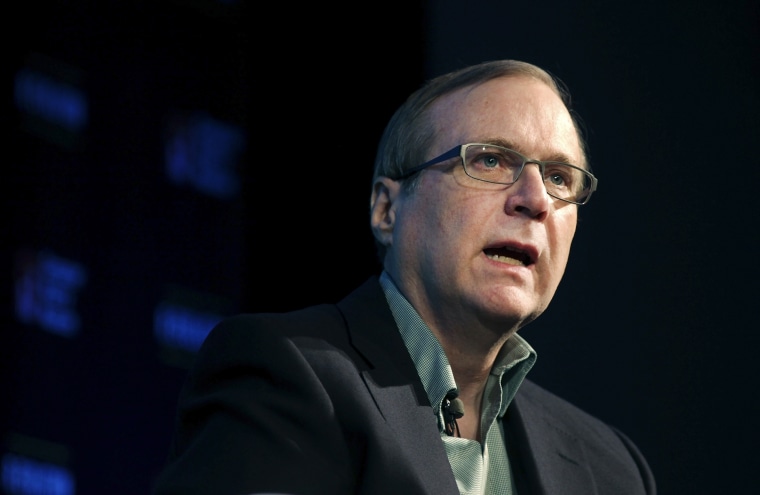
x,y
459,150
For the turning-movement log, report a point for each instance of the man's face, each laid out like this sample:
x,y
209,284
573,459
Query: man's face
x,y
458,246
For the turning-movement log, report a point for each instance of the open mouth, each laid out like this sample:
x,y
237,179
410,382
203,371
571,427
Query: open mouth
x,y
509,256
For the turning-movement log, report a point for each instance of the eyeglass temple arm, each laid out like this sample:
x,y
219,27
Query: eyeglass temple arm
x,y
455,151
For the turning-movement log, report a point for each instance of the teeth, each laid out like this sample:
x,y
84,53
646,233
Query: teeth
x,y
506,259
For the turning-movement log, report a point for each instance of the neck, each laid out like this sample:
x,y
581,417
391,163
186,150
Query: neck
x,y
471,376
471,367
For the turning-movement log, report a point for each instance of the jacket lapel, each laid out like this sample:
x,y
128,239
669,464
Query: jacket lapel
x,y
393,382
551,460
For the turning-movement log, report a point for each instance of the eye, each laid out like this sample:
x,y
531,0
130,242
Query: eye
x,y
561,176
491,160
492,163
556,179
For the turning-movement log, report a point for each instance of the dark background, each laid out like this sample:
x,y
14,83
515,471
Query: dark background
x,y
653,328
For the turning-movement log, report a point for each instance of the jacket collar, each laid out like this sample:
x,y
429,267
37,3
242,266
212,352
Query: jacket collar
x,y
393,382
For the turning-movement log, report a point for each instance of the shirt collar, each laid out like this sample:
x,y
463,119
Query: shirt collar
x,y
514,361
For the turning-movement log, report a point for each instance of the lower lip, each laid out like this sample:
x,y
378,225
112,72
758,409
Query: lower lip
x,y
504,264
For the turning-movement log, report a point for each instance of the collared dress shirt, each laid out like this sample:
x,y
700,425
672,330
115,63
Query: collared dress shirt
x,y
479,469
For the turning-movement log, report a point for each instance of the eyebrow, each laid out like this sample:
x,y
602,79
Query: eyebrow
x,y
556,157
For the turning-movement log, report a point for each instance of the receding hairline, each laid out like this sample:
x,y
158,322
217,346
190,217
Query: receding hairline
x,y
432,111
410,128
484,72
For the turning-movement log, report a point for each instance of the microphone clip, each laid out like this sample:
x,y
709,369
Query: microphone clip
x,y
452,409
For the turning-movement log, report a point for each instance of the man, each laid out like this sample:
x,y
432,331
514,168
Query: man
x,y
415,382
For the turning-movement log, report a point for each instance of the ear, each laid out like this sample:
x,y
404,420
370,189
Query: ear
x,y
383,204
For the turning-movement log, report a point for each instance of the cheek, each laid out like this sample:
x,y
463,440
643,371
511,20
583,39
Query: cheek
x,y
456,218
451,216
417,228
433,225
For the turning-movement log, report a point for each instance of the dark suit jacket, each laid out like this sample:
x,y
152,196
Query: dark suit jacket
x,y
327,401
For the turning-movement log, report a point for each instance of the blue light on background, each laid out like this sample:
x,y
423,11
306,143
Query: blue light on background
x,y
43,97
204,153
181,327
25,476
46,291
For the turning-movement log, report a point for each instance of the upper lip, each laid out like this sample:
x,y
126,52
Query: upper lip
x,y
526,253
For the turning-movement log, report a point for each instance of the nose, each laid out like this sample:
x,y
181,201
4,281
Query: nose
x,y
528,196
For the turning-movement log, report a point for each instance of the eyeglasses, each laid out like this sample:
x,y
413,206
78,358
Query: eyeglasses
x,y
499,165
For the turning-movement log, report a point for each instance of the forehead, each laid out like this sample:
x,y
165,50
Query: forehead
x,y
520,110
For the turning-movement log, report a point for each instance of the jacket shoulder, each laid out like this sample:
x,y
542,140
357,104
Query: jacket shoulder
x,y
610,454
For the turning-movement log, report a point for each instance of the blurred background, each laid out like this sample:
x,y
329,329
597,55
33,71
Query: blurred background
x,y
174,162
